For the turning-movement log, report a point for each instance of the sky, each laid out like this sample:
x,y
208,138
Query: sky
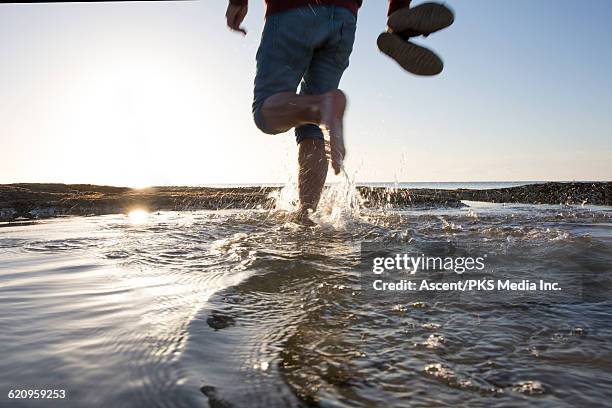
x,y
159,93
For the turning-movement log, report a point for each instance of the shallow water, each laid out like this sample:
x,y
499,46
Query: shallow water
x,y
245,309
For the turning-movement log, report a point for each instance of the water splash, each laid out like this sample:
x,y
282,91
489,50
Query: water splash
x,y
340,203
287,198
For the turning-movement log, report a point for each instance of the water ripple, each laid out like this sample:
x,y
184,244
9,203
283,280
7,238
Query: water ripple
x,y
244,308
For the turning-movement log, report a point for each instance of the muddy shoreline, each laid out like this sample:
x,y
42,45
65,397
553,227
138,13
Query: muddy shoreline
x,y
35,200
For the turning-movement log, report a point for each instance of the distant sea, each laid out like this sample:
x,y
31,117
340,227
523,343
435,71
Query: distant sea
x,y
443,185
453,185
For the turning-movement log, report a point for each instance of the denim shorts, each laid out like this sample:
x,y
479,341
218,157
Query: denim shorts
x,y
307,46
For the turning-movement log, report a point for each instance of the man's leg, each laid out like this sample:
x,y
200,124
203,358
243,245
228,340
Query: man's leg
x,y
284,57
322,78
286,110
312,161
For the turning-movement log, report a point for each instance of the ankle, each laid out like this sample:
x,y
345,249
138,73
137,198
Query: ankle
x,y
304,209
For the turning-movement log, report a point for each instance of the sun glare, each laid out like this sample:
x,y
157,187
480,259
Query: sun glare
x,y
138,217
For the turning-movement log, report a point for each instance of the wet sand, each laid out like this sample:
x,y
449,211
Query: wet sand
x,y
34,200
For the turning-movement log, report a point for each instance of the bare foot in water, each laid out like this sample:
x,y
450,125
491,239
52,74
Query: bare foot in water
x,y
332,108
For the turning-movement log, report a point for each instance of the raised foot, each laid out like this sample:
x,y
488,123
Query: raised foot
x,y
333,105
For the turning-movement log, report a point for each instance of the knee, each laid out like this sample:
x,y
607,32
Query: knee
x,y
260,111
261,123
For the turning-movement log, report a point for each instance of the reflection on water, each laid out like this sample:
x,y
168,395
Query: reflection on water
x,y
138,216
240,308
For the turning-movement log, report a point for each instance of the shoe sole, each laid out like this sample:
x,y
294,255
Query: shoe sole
x,y
413,58
425,18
